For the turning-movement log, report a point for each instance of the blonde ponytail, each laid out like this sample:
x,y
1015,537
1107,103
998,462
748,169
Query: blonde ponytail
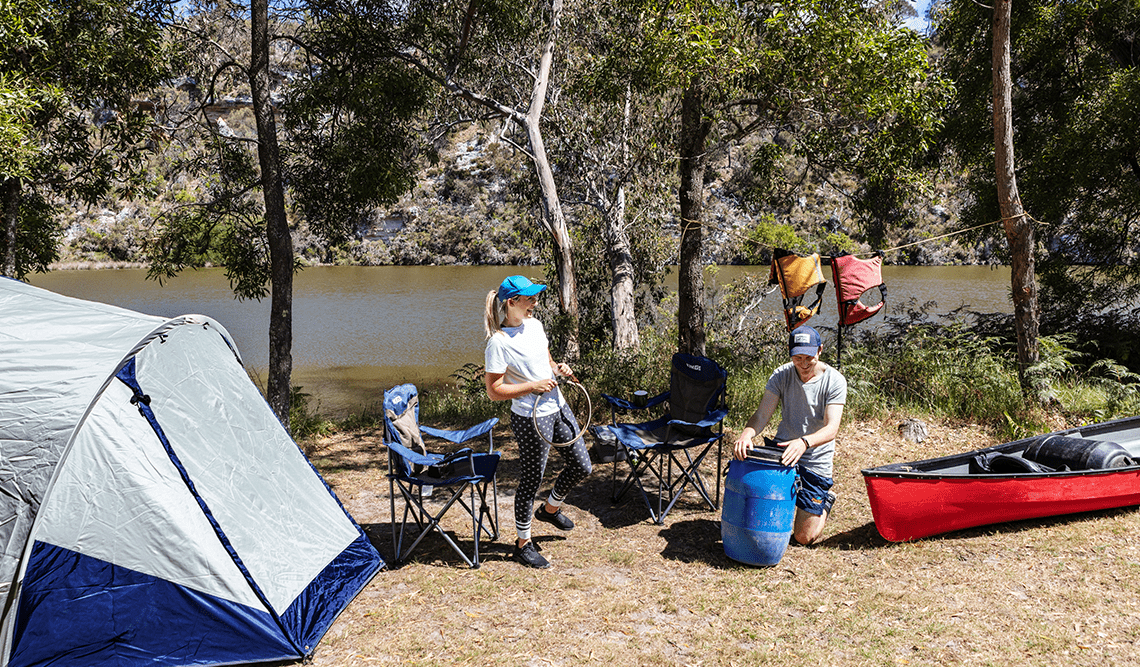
x,y
493,314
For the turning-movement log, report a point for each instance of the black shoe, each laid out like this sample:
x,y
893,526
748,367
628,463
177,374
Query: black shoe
x,y
558,519
527,555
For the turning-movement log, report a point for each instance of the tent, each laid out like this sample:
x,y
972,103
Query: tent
x,y
152,508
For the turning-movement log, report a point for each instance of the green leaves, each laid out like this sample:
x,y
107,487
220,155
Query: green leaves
x,y
68,123
1077,141
17,145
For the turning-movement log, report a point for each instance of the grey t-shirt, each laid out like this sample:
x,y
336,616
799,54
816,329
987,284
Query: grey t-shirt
x,y
802,409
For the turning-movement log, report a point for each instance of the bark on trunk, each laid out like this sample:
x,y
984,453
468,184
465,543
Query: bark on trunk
x,y
11,220
620,259
695,129
1018,228
626,335
281,258
622,303
553,218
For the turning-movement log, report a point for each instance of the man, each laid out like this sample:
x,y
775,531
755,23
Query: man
x,y
812,395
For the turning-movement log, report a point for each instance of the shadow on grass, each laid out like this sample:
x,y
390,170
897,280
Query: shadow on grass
x,y
433,550
696,541
856,539
595,495
330,461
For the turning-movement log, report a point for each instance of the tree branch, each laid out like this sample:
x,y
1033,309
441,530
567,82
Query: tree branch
x,y
460,91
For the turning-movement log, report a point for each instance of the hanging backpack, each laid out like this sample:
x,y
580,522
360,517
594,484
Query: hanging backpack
x,y
797,275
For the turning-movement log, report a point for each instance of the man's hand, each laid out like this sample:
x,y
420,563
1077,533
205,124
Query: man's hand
x,y
793,450
740,448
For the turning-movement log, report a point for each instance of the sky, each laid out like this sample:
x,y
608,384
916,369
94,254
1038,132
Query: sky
x,y
919,23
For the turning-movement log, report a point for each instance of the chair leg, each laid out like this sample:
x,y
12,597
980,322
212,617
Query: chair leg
x,y
487,513
639,462
691,474
392,517
719,466
670,486
637,466
428,523
476,530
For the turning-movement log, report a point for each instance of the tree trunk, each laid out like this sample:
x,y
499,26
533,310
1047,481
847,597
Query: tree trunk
x,y
626,336
622,303
553,218
695,128
11,215
279,388
1018,228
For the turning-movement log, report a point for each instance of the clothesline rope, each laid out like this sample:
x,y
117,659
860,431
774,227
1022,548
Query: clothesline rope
x,y
689,224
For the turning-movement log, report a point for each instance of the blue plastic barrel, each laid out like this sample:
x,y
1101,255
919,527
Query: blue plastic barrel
x,y
759,511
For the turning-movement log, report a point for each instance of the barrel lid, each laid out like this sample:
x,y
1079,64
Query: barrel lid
x,y
766,454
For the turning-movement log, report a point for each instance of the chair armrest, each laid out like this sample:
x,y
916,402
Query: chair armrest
x,y
715,417
622,404
413,457
465,453
460,437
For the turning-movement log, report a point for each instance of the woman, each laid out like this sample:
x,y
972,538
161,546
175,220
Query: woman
x,y
519,368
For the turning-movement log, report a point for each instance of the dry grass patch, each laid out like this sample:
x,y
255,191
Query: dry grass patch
x,y
626,592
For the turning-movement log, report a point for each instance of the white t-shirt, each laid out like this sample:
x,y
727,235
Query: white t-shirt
x,y
802,407
522,354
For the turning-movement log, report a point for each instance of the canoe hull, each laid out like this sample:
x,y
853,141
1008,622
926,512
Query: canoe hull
x,y
913,500
913,508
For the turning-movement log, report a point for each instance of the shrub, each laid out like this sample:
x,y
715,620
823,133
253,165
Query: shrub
x,y
932,367
304,421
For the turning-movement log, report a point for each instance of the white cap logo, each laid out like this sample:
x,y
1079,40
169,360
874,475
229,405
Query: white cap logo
x,y
802,339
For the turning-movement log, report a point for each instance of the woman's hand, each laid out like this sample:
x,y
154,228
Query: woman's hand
x,y
562,368
544,386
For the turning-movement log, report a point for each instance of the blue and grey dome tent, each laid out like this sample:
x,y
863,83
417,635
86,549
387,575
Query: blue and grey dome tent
x,y
152,509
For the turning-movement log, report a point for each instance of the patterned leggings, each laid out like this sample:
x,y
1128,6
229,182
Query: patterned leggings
x,y
533,452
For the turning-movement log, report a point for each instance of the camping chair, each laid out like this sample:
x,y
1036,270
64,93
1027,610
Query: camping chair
x,y
418,473
796,277
853,278
671,448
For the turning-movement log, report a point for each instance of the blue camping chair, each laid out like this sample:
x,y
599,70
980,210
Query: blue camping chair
x,y
418,474
671,448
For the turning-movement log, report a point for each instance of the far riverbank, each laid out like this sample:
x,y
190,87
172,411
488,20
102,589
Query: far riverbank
x,y
358,330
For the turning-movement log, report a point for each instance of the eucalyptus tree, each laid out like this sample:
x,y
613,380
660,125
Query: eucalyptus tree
x,y
1075,69
611,153
343,146
494,59
17,151
846,82
1018,230
75,84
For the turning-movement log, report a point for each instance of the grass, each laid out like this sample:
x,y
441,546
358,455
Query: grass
x,y
626,592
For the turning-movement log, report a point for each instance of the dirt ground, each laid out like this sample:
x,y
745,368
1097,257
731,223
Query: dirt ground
x,y
625,591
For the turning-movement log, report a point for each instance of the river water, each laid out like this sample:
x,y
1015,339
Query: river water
x,y
360,330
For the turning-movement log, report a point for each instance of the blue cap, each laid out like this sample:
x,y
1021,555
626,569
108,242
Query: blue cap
x,y
518,286
804,340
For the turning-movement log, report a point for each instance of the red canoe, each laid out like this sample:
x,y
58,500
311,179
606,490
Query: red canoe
x,y
1077,470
